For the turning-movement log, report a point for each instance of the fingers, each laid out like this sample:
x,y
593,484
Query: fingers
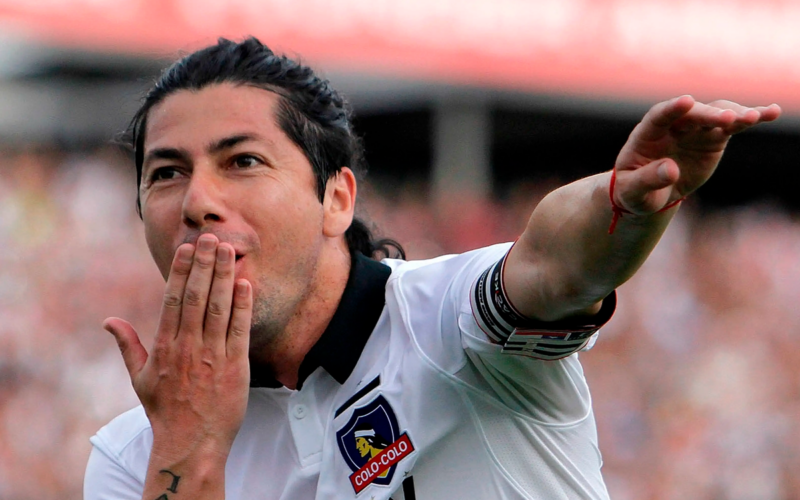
x,y
133,353
684,114
647,189
705,116
759,114
665,113
769,113
747,117
218,312
198,285
238,343
210,312
173,293
681,114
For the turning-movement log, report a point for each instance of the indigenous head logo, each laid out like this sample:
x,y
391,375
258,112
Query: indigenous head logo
x,y
372,445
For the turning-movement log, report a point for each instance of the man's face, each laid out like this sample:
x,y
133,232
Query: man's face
x,y
216,161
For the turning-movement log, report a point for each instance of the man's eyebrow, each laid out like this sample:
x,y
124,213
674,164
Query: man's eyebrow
x,y
229,142
167,154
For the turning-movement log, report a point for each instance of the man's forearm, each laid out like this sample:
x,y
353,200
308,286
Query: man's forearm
x,y
189,477
566,261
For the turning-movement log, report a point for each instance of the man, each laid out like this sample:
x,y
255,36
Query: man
x,y
281,343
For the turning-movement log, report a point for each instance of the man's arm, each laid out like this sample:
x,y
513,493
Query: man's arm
x,y
194,383
566,261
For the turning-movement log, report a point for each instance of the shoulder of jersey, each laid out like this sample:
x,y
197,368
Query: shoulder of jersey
x,y
400,267
129,428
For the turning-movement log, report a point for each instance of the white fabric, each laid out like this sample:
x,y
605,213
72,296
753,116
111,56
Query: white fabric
x,y
484,425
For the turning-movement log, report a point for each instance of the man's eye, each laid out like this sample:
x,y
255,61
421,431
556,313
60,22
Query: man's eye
x,y
245,161
163,174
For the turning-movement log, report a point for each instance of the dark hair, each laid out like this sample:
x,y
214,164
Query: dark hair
x,y
311,113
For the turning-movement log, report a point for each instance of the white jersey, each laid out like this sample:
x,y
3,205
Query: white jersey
x,y
424,406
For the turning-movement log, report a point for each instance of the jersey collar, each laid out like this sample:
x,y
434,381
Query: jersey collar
x,y
340,346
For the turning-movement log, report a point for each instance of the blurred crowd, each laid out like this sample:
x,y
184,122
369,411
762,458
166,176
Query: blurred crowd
x,y
695,382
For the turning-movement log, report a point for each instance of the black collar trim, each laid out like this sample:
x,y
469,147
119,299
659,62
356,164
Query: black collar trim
x,y
340,346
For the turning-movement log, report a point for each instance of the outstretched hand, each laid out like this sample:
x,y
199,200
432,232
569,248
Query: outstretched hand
x,y
676,148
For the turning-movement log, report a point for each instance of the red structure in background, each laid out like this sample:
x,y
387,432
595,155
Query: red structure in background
x,y
634,50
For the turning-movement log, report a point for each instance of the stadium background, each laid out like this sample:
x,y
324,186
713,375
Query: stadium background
x,y
472,110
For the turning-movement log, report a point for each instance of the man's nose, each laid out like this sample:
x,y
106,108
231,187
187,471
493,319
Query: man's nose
x,y
203,201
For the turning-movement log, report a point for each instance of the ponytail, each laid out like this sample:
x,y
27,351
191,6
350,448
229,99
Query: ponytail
x,y
359,239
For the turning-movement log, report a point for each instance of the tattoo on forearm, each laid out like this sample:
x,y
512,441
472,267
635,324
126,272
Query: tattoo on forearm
x,y
173,487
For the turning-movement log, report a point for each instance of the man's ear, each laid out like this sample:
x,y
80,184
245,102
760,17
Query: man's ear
x,y
339,203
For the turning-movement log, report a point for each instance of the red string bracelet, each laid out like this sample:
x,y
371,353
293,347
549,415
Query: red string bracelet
x,y
619,211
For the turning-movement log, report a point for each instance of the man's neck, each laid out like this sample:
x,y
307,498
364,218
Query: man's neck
x,y
310,319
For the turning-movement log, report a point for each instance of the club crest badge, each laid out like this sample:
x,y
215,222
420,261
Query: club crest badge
x,y
372,445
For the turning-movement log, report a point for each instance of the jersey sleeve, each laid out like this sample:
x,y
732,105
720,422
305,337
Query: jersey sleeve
x,y
106,479
440,298
531,366
118,462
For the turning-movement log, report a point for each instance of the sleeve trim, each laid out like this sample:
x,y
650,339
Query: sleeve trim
x,y
505,325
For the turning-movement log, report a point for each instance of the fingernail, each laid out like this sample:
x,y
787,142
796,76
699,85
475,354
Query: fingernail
x,y
663,172
223,254
241,288
206,243
185,253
